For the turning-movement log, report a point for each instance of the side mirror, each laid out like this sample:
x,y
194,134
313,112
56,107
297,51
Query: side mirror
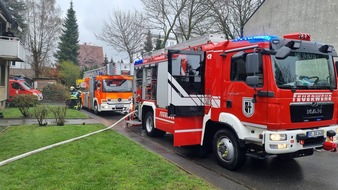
x,y
98,84
251,80
252,63
283,52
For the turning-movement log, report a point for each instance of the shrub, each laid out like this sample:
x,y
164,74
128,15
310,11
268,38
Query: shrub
x,y
55,92
59,113
40,112
24,102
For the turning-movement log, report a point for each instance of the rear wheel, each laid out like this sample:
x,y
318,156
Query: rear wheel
x,y
227,150
148,125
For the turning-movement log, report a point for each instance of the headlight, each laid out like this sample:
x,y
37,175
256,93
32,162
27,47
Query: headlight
x,y
103,100
278,137
35,94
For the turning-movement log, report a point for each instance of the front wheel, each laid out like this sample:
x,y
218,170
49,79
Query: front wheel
x,y
148,125
227,150
96,108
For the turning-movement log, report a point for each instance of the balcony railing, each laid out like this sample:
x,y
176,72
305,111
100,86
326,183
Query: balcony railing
x,y
12,49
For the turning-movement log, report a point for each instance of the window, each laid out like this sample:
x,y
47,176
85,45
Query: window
x,y
151,82
186,69
2,74
304,71
16,85
238,70
117,85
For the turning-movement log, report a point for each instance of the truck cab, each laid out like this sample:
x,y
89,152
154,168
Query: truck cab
x,y
20,86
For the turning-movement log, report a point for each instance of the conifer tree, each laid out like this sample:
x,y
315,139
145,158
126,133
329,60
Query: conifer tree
x,y
105,62
68,46
159,43
148,44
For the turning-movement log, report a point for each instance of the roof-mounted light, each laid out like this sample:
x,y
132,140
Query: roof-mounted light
x,y
255,39
298,36
138,61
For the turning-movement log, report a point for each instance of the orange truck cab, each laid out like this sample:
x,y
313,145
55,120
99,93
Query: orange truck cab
x,y
20,86
106,93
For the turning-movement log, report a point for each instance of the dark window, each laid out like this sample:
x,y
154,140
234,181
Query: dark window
x,y
238,70
2,75
16,85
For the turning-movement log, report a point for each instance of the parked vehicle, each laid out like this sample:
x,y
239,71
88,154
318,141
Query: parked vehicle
x,y
106,91
254,96
20,86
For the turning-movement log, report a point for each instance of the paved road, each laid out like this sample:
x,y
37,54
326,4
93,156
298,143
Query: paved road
x,y
319,171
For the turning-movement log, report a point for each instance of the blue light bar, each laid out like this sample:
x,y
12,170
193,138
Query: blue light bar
x,y
255,39
138,61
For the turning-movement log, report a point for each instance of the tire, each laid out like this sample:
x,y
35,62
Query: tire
x,y
227,150
148,125
68,103
79,104
96,108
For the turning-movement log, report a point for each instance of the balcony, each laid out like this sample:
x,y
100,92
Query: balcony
x,y
12,49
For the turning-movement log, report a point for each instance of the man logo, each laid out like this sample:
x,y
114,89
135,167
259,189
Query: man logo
x,y
248,107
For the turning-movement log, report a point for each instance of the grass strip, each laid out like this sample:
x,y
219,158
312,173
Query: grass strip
x,y
106,160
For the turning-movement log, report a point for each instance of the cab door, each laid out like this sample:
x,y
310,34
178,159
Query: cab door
x,y
246,93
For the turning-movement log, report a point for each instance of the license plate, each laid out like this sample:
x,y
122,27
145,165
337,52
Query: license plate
x,y
119,106
316,133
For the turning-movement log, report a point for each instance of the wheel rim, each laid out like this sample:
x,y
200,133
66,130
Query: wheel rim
x,y
95,108
149,124
225,149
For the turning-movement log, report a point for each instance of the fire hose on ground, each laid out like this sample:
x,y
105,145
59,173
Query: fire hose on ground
x,y
61,143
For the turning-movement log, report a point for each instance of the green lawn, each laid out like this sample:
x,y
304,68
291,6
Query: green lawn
x,y
106,160
14,113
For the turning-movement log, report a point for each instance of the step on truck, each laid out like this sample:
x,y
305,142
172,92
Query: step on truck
x,y
106,90
254,96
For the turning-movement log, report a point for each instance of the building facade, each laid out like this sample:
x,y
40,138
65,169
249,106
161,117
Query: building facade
x,y
11,49
90,56
318,18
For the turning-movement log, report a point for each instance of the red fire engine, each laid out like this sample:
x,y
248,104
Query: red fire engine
x,y
254,96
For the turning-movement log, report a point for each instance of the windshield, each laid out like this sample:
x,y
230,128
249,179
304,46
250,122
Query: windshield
x,y
26,85
117,85
304,71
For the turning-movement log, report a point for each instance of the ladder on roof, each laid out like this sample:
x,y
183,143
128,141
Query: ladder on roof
x,y
95,72
214,38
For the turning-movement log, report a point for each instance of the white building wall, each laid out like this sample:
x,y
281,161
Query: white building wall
x,y
19,65
279,17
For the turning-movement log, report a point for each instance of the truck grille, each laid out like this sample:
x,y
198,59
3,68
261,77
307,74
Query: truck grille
x,y
311,111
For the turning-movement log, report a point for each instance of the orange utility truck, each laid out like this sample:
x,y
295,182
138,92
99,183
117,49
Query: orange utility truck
x,y
255,96
107,90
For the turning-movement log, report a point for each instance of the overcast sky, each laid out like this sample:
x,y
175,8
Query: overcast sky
x,y
91,14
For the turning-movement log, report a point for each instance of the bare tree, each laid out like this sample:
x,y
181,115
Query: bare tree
x,y
194,20
163,14
221,14
43,29
241,11
125,32
231,15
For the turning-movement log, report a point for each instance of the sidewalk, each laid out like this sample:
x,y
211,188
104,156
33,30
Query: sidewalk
x,y
16,122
